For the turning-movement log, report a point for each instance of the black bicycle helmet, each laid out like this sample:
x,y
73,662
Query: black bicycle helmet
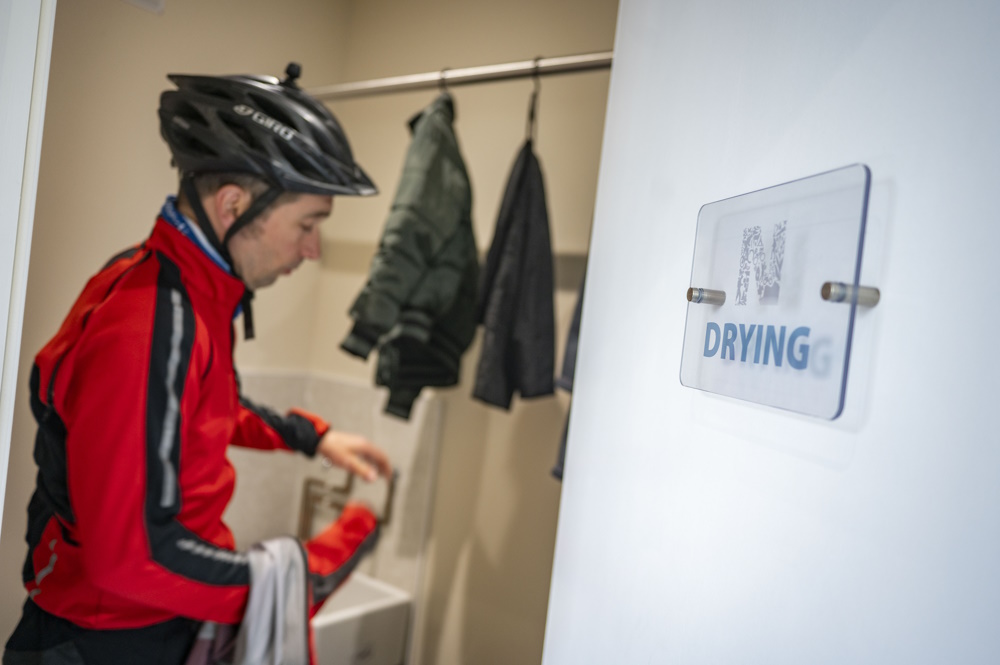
x,y
262,126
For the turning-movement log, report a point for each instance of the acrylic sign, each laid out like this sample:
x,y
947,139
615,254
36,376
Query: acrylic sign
x,y
757,327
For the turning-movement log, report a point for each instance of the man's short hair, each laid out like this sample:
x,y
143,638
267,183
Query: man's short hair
x,y
209,183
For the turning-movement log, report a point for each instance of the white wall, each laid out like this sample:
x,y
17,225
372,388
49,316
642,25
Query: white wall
x,y
700,529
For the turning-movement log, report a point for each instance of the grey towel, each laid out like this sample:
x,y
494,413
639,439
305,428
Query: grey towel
x,y
275,628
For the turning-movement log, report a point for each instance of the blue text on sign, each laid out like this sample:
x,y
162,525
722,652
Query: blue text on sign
x,y
767,341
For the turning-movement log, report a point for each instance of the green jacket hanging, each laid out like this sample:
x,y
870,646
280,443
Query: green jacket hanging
x,y
419,304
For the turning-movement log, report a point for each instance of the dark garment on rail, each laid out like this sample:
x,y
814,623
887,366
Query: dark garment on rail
x,y
419,304
516,294
565,380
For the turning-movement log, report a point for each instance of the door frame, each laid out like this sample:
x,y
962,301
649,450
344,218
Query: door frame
x,y
26,31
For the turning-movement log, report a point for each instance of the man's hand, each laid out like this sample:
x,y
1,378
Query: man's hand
x,y
354,453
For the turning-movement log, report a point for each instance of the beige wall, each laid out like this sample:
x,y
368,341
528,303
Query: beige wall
x,y
105,170
496,505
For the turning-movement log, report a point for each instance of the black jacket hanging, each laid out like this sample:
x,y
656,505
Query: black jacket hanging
x,y
516,293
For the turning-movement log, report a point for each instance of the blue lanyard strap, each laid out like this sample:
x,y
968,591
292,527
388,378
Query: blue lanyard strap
x,y
170,213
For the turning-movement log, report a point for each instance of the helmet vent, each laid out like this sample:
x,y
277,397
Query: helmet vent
x,y
273,110
299,163
189,113
192,145
245,135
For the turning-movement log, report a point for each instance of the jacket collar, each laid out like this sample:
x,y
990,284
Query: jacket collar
x,y
170,213
201,273
443,105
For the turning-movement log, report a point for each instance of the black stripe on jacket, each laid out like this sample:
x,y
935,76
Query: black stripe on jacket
x,y
297,431
173,545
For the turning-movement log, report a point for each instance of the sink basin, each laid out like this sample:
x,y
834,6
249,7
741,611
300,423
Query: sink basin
x,y
364,622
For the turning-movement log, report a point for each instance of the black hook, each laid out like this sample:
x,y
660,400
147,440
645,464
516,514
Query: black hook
x,y
533,105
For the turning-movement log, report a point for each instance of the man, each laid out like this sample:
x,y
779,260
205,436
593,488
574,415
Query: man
x,y
137,399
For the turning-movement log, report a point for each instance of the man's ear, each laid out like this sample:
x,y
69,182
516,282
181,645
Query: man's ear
x,y
229,202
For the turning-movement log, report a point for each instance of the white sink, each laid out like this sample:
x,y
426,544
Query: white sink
x,y
364,622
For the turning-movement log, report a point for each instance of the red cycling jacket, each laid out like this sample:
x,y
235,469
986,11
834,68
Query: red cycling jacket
x,y
137,399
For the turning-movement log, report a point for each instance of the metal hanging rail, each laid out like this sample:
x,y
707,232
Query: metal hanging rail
x,y
455,77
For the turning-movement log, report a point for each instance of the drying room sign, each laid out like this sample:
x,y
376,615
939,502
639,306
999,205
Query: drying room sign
x,y
761,325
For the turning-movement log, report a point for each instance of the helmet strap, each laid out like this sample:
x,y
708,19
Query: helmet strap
x,y
257,206
194,200
247,313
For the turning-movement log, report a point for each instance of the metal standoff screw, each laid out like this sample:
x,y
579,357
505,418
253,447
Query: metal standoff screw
x,y
866,296
706,296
